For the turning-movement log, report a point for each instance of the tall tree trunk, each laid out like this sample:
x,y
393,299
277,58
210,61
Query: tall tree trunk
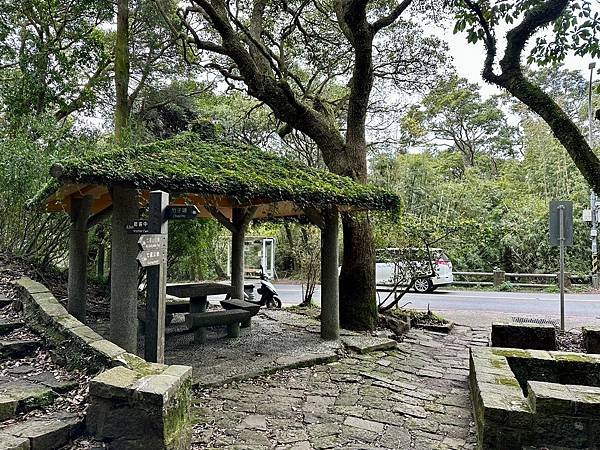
x,y
358,307
122,108
124,270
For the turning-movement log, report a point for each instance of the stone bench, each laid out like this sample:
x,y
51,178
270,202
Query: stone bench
x,y
199,322
235,303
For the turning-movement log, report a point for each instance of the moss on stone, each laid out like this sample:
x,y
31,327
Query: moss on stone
x,y
141,366
507,381
177,420
511,352
575,357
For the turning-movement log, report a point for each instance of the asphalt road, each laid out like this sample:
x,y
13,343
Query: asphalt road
x,y
576,305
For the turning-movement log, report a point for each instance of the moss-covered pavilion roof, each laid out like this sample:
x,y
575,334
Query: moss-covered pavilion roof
x,y
208,173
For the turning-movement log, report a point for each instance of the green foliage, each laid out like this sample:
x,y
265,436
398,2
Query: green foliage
x,y
194,250
506,286
187,164
26,158
454,116
53,55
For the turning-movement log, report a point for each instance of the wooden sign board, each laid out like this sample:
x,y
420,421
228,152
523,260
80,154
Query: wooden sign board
x,y
148,258
152,242
139,226
181,212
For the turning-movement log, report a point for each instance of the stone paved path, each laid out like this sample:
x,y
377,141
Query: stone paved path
x,y
412,397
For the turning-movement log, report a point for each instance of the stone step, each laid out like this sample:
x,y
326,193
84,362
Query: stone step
x,y
17,349
7,326
43,433
5,301
23,396
49,380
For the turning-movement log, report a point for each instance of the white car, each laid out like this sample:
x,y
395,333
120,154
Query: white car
x,y
394,264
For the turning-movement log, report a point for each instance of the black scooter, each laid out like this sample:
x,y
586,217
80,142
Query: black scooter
x,y
268,293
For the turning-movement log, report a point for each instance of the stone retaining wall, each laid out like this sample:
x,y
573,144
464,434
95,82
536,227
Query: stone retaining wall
x,y
559,409
134,404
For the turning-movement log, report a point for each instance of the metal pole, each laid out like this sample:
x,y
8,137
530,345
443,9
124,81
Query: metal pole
x,y
593,197
561,224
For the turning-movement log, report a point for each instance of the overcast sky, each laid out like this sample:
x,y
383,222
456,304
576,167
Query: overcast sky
x,y
468,60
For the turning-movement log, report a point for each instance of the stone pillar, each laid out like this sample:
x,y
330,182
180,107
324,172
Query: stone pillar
x,y
124,270
237,253
330,294
499,277
78,253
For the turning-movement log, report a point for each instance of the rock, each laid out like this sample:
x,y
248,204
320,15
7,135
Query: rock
x,y
10,442
591,339
16,349
524,335
365,344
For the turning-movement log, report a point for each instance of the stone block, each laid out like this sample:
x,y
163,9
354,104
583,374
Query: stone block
x,y
524,336
134,410
30,286
107,349
591,339
366,344
85,334
114,383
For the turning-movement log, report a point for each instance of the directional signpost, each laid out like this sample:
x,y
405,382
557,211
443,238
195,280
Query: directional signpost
x,y
153,256
138,226
561,235
179,212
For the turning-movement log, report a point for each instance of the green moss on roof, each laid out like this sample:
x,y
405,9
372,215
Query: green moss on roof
x,y
186,164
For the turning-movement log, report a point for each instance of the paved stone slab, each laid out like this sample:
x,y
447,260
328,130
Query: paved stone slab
x,y
366,344
354,403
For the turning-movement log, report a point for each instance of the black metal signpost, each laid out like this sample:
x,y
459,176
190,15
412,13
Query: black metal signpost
x,y
153,256
561,235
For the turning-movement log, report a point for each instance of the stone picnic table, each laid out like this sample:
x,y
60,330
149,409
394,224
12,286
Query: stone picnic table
x,y
197,292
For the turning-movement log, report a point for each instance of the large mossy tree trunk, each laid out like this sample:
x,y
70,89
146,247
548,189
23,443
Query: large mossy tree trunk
x,y
357,278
